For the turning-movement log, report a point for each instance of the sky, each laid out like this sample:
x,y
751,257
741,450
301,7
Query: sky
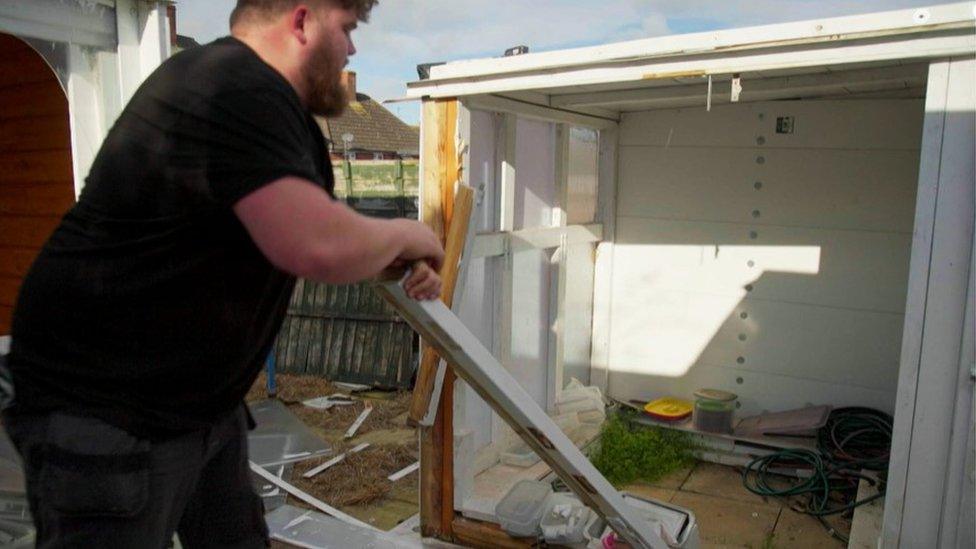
x,y
404,33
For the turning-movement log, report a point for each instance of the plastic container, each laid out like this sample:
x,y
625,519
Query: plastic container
x,y
565,519
520,511
714,410
668,409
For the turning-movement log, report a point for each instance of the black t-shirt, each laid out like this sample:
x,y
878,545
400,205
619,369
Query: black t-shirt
x,y
150,306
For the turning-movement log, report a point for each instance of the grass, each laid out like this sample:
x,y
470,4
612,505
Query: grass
x,y
630,452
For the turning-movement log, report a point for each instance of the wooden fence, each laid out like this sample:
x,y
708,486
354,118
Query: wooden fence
x,y
348,333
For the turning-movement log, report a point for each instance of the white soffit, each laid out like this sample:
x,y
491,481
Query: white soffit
x,y
922,33
82,22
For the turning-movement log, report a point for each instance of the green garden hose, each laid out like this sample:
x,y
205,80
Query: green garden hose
x,y
853,439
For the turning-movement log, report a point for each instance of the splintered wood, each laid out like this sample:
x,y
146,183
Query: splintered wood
x,y
439,327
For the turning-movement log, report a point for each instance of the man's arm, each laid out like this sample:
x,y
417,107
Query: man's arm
x,y
301,230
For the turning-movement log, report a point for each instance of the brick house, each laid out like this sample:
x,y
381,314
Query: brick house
x,y
367,130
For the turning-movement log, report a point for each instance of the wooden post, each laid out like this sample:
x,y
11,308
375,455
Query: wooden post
x,y
456,235
440,173
473,533
401,195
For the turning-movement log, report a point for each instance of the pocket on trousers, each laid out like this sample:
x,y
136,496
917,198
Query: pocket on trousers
x,y
93,469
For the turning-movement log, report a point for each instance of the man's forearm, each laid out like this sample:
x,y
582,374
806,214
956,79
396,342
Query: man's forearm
x,y
353,247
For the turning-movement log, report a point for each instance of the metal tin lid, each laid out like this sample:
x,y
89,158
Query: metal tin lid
x,y
716,394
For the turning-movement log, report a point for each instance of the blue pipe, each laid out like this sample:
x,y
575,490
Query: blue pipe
x,y
270,365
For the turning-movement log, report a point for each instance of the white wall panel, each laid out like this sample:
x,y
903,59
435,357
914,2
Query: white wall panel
x,y
870,190
844,269
787,292
477,302
818,124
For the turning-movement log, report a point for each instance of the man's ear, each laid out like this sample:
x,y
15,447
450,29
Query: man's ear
x,y
297,22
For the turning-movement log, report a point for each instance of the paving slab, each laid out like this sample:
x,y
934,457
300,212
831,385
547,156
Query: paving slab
x,y
729,523
723,481
674,479
800,531
648,491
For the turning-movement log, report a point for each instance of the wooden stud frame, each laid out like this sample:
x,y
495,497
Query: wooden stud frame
x,y
440,328
440,172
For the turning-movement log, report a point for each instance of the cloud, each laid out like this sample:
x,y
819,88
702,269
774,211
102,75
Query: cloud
x,y
404,33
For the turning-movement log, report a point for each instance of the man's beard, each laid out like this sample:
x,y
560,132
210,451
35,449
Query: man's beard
x,y
327,96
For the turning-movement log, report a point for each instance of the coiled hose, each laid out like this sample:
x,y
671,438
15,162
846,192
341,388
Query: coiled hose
x,y
854,439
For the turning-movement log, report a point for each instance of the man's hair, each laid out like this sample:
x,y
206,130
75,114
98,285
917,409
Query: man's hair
x,y
269,8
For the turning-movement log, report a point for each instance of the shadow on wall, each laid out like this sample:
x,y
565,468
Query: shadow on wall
x,y
777,274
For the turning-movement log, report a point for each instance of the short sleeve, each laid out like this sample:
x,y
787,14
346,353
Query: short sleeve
x,y
254,138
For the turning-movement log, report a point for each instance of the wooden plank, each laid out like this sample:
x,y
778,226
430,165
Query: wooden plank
x,y
871,190
484,535
36,133
439,168
43,198
476,365
6,315
26,232
16,261
35,99
456,236
30,167
24,67
11,44
431,208
9,286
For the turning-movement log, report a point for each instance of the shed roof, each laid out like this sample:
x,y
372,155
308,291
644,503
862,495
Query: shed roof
x,y
823,46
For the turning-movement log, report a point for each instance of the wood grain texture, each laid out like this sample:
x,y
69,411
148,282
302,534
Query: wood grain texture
x,y
424,386
8,290
40,133
483,535
440,173
35,166
41,98
20,64
43,198
36,183
6,314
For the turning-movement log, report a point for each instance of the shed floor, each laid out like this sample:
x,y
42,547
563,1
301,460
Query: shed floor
x,y
731,516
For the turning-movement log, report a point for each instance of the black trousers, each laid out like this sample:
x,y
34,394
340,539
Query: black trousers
x,y
90,484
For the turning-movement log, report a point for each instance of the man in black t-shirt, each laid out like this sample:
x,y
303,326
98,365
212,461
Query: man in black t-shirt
x,y
148,313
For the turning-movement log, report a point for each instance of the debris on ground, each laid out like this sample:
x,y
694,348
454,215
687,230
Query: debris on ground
x,y
361,478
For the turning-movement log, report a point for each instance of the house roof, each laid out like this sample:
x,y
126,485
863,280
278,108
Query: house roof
x,y
373,128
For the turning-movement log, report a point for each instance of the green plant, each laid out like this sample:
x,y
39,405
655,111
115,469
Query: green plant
x,y
630,452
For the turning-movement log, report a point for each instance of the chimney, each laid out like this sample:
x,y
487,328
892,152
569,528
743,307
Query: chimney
x,y
349,83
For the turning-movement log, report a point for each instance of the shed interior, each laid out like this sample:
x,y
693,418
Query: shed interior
x,y
758,244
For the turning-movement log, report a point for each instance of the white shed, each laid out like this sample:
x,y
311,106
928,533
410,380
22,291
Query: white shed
x,y
67,69
785,212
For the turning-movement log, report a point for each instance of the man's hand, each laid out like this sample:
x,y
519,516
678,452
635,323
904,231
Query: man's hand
x,y
420,243
423,283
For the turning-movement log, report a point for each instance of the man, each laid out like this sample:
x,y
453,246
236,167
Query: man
x,y
149,312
